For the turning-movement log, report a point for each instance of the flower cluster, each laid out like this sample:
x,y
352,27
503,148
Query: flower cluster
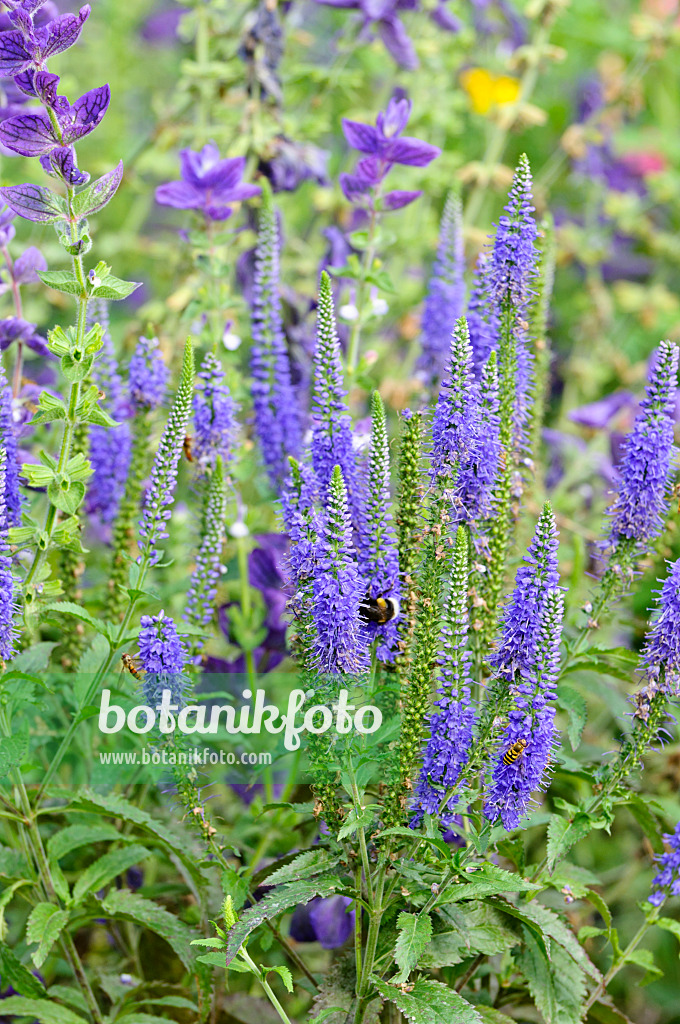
x,y
162,657
214,411
384,146
667,881
7,648
208,183
148,375
661,652
8,441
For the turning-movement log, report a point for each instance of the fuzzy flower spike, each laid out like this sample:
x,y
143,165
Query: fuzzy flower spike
x,y
661,652
445,294
162,656
644,476
7,636
667,881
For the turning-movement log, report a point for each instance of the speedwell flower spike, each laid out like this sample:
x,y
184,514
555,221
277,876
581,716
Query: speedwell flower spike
x,y
661,651
277,416
160,494
148,375
202,591
7,604
162,657
644,474
378,558
667,880
331,423
214,417
448,748
8,441
445,298
341,641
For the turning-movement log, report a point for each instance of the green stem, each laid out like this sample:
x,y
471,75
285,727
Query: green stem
x,y
265,985
246,605
620,961
366,267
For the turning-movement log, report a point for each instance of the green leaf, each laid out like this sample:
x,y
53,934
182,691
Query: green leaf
x,y
19,977
140,1018
284,974
75,610
604,1012
415,931
429,1002
534,963
44,1010
489,880
75,836
471,929
98,194
67,496
60,281
571,701
645,958
328,1012
356,821
36,659
113,288
283,898
408,833
44,926
12,752
491,1016
307,864
563,834
130,906
643,814
104,870
669,924
217,960
552,925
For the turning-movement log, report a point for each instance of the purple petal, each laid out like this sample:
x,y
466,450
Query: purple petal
x,y
45,86
397,42
340,3
225,174
412,152
217,211
354,187
100,192
38,344
86,114
237,194
27,265
396,116
14,57
443,17
194,164
301,928
596,415
25,81
395,200
28,134
64,32
363,137
60,163
331,922
33,202
180,195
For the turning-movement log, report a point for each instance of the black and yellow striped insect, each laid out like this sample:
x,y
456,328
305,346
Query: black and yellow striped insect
x,y
379,609
129,665
515,751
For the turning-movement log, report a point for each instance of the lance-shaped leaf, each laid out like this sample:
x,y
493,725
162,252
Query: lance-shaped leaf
x,y
415,932
33,202
429,1002
99,193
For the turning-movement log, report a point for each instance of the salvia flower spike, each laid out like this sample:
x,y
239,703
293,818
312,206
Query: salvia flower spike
x,y
277,416
160,494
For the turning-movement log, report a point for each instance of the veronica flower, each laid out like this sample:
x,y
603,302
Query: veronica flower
x,y
445,298
517,651
160,494
378,558
110,447
208,183
7,606
640,505
298,499
331,423
214,412
202,590
384,146
8,442
448,748
667,881
148,375
661,651
277,417
162,656
341,642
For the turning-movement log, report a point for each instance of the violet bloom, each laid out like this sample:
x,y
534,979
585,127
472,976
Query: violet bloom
x,y
640,505
445,298
8,442
384,146
298,500
33,134
597,415
7,604
661,652
148,375
383,17
516,652
341,642
325,920
331,423
162,656
667,880
29,46
378,556
214,417
531,722
482,316
448,748
13,329
288,163
208,183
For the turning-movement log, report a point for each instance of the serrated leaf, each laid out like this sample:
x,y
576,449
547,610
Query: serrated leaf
x,y
472,929
13,750
283,898
44,927
67,499
44,1010
105,869
408,833
645,958
415,931
552,925
563,834
75,836
577,710
488,881
307,864
60,281
356,821
77,612
534,964
284,974
429,1002
130,906
19,977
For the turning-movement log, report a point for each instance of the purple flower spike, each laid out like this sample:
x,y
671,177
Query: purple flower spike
x,y
148,375
667,881
214,411
661,653
8,441
162,656
208,183
482,316
7,604
445,294
514,257
341,643
640,505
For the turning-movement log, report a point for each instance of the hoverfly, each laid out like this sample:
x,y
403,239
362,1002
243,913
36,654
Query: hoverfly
x,y
187,448
515,751
129,664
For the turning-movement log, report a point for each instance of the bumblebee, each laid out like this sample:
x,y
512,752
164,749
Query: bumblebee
x,y
379,609
187,448
129,664
515,751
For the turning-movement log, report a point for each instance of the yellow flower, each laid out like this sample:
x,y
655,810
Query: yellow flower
x,y
487,90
